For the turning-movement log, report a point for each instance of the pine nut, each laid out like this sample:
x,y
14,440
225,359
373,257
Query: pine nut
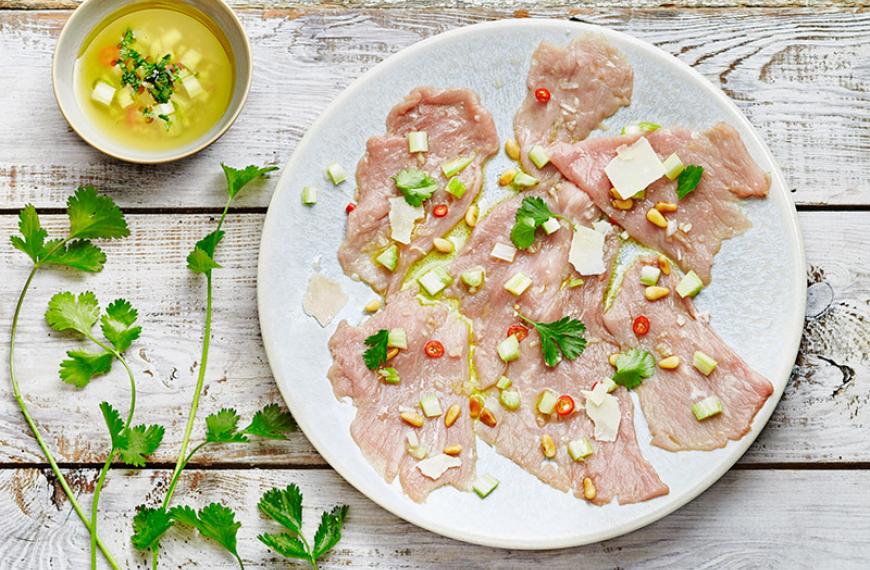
x,y
615,194
507,177
452,415
392,353
622,204
612,359
548,446
512,149
664,265
669,363
372,306
656,218
443,245
471,215
453,450
666,207
475,406
412,419
655,293
488,418
589,491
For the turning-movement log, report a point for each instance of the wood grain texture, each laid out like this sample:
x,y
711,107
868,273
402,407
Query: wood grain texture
x,y
800,75
748,519
824,405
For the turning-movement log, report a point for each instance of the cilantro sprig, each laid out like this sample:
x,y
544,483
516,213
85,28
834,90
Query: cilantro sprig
x,y
688,180
633,367
138,72
531,214
284,506
91,216
415,185
376,353
562,338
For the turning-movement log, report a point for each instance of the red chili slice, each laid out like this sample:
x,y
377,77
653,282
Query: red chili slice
x,y
564,405
349,208
640,326
518,331
542,94
433,349
439,211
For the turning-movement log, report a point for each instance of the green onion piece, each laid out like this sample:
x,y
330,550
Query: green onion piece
x,y
575,282
518,283
580,449
673,166
640,128
430,405
503,383
707,408
690,285
551,226
309,195
509,349
510,399
485,485
704,363
455,166
389,258
539,156
336,173
649,275
397,339
418,141
474,277
456,187
435,280
547,402
389,375
523,180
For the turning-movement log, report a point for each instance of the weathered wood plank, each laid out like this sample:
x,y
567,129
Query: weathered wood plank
x,y
781,67
823,407
748,519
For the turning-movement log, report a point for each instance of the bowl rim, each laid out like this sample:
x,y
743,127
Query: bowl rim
x,y
234,113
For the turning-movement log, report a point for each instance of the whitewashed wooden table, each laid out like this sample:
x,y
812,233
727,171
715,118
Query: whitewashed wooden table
x,y
799,498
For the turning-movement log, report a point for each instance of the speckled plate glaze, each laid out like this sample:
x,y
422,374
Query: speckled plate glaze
x,y
757,297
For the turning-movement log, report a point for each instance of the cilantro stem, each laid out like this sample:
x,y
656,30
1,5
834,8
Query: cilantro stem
x,y
16,391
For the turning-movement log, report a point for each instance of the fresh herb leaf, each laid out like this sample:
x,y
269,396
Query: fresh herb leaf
x,y
530,215
138,442
79,254
114,423
237,179
214,521
223,427
283,506
82,366
376,354
688,180
149,526
33,236
117,324
285,545
65,312
562,338
137,71
633,367
329,532
201,258
271,423
94,216
415,185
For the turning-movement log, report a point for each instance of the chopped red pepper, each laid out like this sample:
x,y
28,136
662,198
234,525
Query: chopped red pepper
x,y
542,94
440,210
564,405
349,208
640,326
433,349
518,331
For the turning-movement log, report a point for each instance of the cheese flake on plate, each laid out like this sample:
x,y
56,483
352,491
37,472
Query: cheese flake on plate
x,y
403,216
587,251
634,167
323,299
435,466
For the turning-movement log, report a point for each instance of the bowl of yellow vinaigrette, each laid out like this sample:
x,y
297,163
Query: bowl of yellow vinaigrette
x,y
151,81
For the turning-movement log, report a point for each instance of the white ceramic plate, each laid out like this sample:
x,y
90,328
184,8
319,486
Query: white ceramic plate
x,y
757,296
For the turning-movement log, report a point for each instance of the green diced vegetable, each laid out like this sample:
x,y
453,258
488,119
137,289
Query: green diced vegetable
x,y
539,156
690,285
523,180
551,226
580,449
309,195
649,275
430,405
474,277
456,187
509,349
518,283
640,128
510,399
503,383
336,173
398,339
435,280
389,258
704,363
673,166
418,141
547,402
707,408
485,485
575,282
389,375
455,166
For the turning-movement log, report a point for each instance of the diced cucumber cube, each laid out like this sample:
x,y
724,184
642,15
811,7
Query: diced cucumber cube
x,y
509,349
430,405
673,166
456,187
580,449
309,195
389,258
503,251
547,402
455,166
649,275
510,399
704,363
336,173
538,156
551,226
435,280
390,375
707,408
503,383
690,285
485,485
474,277
418,141
397,339
523,180
518,283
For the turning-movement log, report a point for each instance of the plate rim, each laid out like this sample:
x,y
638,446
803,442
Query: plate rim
x,y
788,214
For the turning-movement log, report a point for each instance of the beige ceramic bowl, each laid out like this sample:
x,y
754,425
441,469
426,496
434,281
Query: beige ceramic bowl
x,y
89,15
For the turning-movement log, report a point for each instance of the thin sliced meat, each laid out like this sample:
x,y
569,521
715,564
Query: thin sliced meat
x,y
588,81
617,469
667,397
377,428
457,126
705,217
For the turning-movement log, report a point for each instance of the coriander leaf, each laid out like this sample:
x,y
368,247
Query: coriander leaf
x,y
222,427
376,354
149,525
633,367
184,515
329,532
138,442
210,242
688,180
562,338
237,179
65,312
271,423
114,423
283,506
117,324
218,523
285,545
415,185
32,240
201,258
82,366
92,215
530,215
80,254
